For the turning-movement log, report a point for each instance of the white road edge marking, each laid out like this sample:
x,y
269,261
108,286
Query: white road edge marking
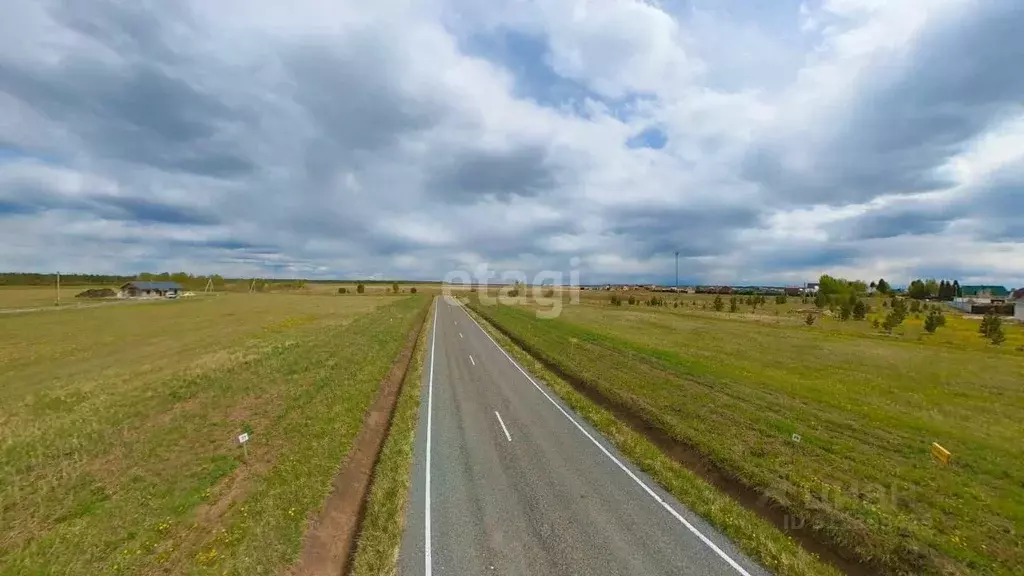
x,y
471,360
430,405
622,466
502,422
460,334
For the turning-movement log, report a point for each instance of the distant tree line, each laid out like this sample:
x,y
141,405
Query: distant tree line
x,y
32,279
931,289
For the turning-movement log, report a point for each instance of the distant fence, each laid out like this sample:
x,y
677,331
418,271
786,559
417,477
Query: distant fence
x,y
1000,308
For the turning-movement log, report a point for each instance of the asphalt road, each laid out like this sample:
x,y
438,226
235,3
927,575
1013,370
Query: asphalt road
x,y
515,483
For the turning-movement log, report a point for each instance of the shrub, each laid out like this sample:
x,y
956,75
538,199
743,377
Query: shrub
x,y
360,288
394,287
933,321
615,300
675,304
885,303
875,323
915,306
718,303
809,320
992,328
342,290
413,289
860,310
734,304
781,299
845,311
821,300
632,300
549,292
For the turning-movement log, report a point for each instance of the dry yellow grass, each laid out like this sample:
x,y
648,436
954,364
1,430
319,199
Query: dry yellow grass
x,y
118,427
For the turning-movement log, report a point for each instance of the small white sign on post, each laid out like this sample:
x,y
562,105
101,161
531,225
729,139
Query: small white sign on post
x,y
797,438
242,439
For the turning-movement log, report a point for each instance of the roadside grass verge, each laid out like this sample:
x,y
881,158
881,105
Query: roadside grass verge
x,y
865,411
754,536
383,523
119,423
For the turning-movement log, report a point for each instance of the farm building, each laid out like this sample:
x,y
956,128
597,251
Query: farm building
x,y
149,289
979,292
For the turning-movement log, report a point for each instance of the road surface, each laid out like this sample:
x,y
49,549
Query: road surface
x,y
508,480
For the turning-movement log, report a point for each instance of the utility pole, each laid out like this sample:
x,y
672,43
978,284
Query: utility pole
x,y
677,271
58,288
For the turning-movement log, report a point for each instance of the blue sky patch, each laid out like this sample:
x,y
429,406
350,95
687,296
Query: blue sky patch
x,y
652,137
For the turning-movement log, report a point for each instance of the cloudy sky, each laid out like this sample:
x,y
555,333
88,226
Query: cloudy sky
x,y
765,141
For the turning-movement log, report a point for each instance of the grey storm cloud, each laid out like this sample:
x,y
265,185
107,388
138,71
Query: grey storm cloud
x,y
476,174
35,194
353,94
912,115
693,231
890,222
143,109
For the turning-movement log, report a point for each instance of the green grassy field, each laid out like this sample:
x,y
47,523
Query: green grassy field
x,y
118,427
383,522
867,406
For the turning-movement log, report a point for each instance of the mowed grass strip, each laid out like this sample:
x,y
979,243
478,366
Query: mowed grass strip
x,y
119,428
866,409
383,522
758,539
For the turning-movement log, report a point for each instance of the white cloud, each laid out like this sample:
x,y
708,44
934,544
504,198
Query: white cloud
x,y
336,139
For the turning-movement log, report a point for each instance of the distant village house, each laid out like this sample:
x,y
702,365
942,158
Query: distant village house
x,y
149,290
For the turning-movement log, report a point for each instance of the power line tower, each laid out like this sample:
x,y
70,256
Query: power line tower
x,y
209,285
252,287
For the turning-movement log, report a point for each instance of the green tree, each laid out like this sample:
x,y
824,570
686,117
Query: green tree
x,y
845,311
360,288
860,310
934,321
897,314
820,300
917,290
883,286
992,328
781,299
915,306
718,305
809,319
734,304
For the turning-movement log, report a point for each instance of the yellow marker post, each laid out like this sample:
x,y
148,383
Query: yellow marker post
x,y
941,453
